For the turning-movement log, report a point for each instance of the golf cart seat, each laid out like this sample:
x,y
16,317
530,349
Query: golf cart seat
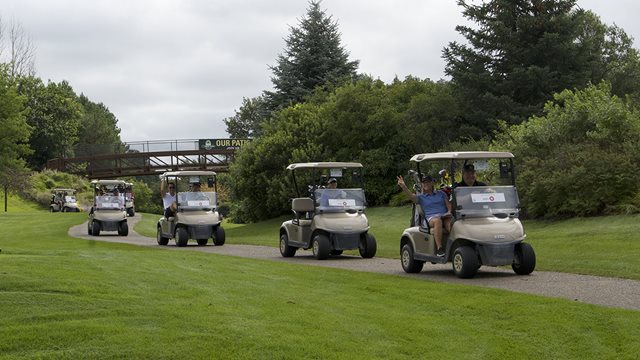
x,y
302,210
422,220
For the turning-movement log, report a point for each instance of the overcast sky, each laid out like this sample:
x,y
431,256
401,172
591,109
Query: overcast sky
x,y
174,69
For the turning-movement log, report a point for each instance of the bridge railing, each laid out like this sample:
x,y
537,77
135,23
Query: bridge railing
x,y
145,158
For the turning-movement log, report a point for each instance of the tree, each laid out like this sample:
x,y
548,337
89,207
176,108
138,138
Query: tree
x,y
55,115
14,131
523,51
98,131
313,57
580,158
248,119
16,50
366,121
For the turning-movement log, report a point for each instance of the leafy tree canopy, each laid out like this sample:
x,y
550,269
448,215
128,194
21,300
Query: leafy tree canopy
x,y
579,158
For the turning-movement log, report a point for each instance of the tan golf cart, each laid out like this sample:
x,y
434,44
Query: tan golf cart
x,y
327,220
108,211
197,216
486,229
63,200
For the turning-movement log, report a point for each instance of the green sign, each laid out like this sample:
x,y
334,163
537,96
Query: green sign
x,y
222,144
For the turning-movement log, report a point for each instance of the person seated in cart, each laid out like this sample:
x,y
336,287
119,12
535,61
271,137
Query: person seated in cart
x,y
436,207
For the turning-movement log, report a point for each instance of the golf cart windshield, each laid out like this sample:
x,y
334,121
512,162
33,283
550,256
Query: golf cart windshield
x,y
486,201
338,200
70,199
110,202
196,200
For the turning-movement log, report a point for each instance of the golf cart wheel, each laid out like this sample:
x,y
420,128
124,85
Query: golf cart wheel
x,y
51,209
321,246
285,249
89,227
409,263
130,212
336,252
182,237
123,228
64,209
219,236
95,228
367,246
161,239
465,262
524,259
202,242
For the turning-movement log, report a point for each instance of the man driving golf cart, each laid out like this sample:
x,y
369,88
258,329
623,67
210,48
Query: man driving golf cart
x,y
485,227
190,209
63,200
329,219
108,211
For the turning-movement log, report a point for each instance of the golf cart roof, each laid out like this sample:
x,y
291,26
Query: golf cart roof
x,y
462,155
324,165
108,182
60,189
189,173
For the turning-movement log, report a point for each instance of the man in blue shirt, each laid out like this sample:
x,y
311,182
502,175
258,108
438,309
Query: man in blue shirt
x,y
436,207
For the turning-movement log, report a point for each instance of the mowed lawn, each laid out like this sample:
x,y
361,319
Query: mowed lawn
x,y
604,246
62,297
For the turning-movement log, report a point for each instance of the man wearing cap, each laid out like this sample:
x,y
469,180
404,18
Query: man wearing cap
x,y
332,184
469,177
436,207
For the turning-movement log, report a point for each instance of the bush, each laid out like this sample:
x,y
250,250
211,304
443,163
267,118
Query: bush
x,y
580,158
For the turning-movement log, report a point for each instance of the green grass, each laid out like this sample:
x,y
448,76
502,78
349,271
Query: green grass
x,y
604,246
17,204
70,298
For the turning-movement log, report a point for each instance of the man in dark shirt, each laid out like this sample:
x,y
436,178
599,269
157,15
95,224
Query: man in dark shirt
x,y
469,177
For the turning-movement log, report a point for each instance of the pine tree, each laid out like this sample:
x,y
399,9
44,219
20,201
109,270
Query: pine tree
x,y
521,52
313,57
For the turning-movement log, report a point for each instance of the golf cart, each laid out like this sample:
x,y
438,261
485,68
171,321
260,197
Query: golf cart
x,y
196,215
63,200
327,220
485,225
108,212
128,199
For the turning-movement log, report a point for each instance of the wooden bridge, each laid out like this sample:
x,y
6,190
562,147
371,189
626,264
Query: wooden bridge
x,y
152,158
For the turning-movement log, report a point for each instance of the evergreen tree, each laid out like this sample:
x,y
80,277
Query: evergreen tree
x,y
98,131
521,52
313,57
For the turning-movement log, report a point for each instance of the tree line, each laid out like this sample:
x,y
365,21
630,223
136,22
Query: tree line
x,y
545,80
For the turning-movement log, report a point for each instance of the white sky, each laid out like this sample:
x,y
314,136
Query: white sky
x,y
173,69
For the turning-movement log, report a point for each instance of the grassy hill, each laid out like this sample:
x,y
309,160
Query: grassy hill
x,y
605,246
71,298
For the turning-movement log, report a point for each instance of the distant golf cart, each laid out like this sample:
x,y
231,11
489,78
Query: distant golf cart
x,y
485,230
128,199
63,200
197,216
108,211
326,220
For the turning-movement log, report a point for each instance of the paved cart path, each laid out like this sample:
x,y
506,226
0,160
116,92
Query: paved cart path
x,y
611,292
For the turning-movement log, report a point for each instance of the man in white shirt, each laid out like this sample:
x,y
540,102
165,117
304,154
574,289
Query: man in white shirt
x,y
168,199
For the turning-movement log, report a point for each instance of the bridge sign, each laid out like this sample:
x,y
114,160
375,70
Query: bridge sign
x,y
222,144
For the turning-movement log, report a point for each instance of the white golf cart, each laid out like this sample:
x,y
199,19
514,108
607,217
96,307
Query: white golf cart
x,y
128,199
328,220
108,211
196,215
485,230
63,200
